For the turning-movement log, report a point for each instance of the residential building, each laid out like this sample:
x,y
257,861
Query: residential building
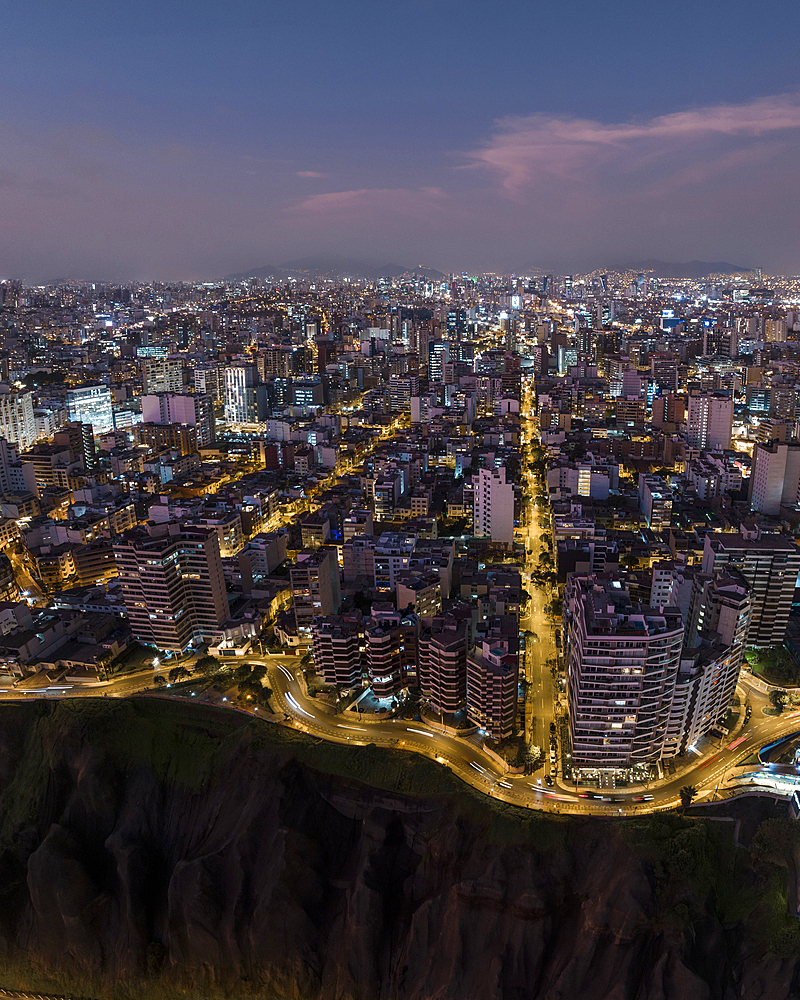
x,y
17,420
493,513
16,477
162,375
442,664
622,666
173,584
392,554
195,410
245,400
709,422
493,687
336,646
775,478
770,565
655,501
315,586
386,659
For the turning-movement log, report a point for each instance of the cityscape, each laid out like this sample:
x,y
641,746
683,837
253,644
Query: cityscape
x,y
541,529
399,501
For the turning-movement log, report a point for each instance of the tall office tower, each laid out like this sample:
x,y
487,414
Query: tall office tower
x,y
91,404
438,356
245,400
17,422
622,663
79,439
442,664
493,513
655,501
162,375
493,687
718,623
386,659
770,565
337,648
709,422
315,586
568,286
195,410
172,583
15,477
209,379
775,479
401,389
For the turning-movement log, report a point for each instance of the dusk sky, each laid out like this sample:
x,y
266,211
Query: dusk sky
x,y
189,140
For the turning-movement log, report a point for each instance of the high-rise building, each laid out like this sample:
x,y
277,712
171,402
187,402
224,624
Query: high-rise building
x,y
15,477
337,648
162,375
775,477
493,512
442,664
709,422
716,633
492,687
209,379
17,422
770,565
245,400
79,439
195,410
91,404
622,665
386,659
315,586
401,389
172,583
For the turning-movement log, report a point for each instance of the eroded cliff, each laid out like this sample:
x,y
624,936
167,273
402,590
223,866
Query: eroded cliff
x,y
147,848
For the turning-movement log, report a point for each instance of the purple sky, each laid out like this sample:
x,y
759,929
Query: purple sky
x,y
189,140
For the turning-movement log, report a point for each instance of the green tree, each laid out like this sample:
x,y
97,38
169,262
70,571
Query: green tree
x,y
687,794
778,698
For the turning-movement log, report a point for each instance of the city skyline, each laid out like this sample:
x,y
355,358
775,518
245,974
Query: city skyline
x,y
188,145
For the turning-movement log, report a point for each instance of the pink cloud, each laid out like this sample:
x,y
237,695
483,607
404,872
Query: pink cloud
x,y
525,149
310,173
366,201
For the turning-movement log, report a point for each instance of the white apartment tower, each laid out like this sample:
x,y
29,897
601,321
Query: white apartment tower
x,y
709,422
775,479
17,422
493,512
622,663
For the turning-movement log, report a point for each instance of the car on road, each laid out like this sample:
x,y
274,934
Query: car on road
x,y
548,781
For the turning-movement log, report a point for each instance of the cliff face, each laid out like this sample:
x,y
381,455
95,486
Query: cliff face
x,y
148,844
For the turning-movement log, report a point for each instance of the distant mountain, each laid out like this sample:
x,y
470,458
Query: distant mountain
x,y
692,269
334,267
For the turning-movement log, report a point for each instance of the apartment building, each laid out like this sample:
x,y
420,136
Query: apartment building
x,y
622,665
172,583
770,564
493,687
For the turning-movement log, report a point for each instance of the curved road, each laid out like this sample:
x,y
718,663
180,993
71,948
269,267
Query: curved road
x,y
715,773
